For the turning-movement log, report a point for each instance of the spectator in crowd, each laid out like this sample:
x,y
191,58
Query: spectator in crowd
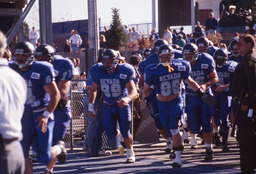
x,y
243,87
102,41
190,38
182,33
199,31
65,69
126,29
224,46
67,47
211,24
174,36
106,31
181,42
116,103
33,36
75,41
76,71
55,47
13,97
236,36
37,120
154,35
168,35
81,84
7,54
135,34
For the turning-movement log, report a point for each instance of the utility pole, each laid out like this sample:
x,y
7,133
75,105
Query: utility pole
x,y
153,14
45,14
193,4
93,33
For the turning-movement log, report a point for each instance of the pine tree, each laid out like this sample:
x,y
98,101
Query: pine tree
x,y
116,36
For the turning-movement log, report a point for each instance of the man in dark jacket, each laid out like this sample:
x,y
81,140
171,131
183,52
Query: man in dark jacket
x,y
211,24
245,80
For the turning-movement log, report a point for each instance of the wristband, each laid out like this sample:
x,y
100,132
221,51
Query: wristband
x,y
200,92
129,99
91,108
46,114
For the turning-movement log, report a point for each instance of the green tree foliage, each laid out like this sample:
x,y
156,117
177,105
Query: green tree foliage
x,y
115,36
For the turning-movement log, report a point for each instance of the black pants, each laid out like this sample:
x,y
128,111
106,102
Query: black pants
x,y
247,142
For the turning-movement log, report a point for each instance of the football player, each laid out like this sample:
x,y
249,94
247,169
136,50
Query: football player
x,y
117,85
64,71
204,46
233,48
198,111
166,77
221,91
152,103
42,98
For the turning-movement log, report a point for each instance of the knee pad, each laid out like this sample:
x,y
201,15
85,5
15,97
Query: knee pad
x,y
174,131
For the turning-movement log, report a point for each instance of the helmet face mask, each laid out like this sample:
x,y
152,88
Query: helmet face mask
x,y
45,53
203,44
220,57
146,52
23,54
158,44
233,48
190,52
110,59
166,55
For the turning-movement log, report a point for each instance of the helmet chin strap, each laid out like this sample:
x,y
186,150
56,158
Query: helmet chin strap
x,y
170,69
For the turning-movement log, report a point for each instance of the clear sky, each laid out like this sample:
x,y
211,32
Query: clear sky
x,y
131,11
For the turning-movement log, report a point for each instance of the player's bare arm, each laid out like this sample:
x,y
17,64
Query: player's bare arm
x,y
213,79
131,96
92,96
54,93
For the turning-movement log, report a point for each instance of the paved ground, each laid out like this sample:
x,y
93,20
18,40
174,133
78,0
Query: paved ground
x,y
150,158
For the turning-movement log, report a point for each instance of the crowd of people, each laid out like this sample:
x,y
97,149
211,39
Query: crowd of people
x,y
190,90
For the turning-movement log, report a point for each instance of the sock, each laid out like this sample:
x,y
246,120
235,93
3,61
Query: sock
x,y
208,146
49,170
178,157
168,140
130,148
215,130
184,135
58,149
193,139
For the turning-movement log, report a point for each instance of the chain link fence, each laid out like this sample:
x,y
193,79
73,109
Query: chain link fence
x,y
76,132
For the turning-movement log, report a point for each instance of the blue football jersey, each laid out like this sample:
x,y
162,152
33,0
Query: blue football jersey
x,y
63,68
225,74
165,82
212,49
36,77
153,58
200,71
236,59
113,86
